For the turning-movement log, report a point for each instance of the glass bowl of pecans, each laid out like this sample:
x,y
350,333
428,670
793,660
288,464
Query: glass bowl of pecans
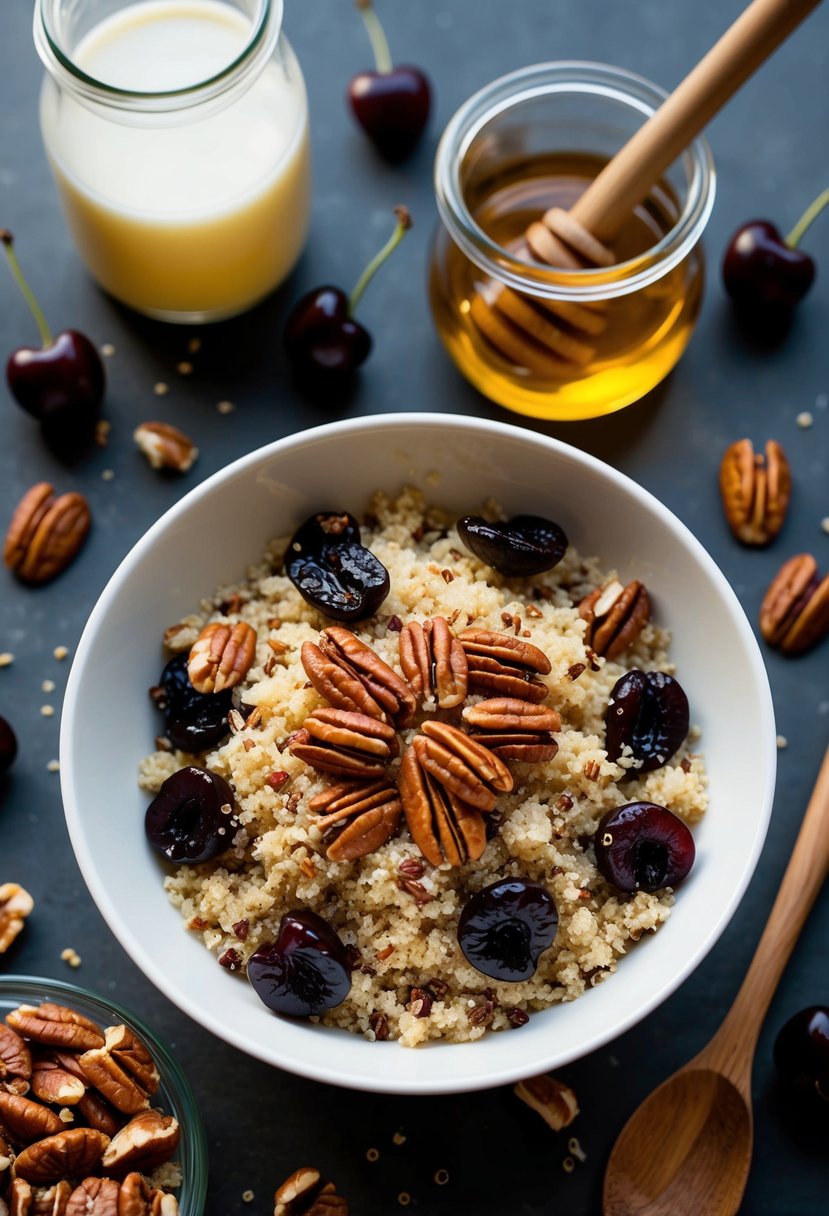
x,y
94,1110
467,918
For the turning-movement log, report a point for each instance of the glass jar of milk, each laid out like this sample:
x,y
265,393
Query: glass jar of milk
x,y
177,132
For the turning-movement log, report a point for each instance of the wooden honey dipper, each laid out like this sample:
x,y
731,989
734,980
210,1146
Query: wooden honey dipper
x,y
528,330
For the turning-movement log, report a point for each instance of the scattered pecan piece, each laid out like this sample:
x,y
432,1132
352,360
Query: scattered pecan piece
x,y
366,814
69,1154
505,665
351,676
794,614
346,743
379,1025
221,656
439,821
165,446
550,1098
615,617
420,1002
15,905
434,662
515,730
147,1141
46,533
755,491
305,1194
55,1026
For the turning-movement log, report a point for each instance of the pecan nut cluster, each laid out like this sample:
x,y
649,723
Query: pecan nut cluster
x,y
449,778
90,1155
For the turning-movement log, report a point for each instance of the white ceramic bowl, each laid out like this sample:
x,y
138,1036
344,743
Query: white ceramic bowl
x,y
212,534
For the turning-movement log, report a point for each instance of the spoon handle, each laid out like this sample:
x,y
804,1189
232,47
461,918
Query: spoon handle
x,y
731,1050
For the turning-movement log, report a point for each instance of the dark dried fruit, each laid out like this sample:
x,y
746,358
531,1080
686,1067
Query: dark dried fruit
x,y
8,745
195,721
191,818
801,1053
648,711
504,928
305,971
643,847
518,547
333,571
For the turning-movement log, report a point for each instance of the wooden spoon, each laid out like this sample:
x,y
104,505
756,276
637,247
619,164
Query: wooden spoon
x,y
523,329
686,1150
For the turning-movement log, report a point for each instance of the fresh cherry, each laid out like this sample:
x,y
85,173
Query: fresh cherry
x,y
62,382
192,817
504,929
767,275
322,340
305,971
643,847
8,745
392,103
801,1053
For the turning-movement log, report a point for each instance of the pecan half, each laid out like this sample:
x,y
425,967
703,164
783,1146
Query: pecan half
x,y
471,772
615,617
46,533
348,744
147,1141
755,491
133,1056
794,614
122,1090
51,1083
94,1197
442,825
505,665
69,1154
350,675
25,1120
137,1198
99,1114
221,656
165,446
367,814
550,1098
305,1194
15,1057
26,1200
55,1026
515,730
434,662
15,905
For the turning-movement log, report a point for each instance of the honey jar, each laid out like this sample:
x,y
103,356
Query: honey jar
x,y
177,134
580,341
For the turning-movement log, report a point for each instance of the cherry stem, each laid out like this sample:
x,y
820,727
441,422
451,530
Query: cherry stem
x,y
807,219
8,244
377,37
404,223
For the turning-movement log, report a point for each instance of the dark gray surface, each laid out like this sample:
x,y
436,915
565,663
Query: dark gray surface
x,y
770,150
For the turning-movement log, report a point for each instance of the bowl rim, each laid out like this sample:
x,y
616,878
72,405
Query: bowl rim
x,y
193,1191
377,1080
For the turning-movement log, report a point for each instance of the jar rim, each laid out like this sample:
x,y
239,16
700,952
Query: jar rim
x,y
265,30
534,277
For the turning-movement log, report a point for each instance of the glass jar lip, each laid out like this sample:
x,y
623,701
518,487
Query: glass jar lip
x,y
24,988
562,76
259,47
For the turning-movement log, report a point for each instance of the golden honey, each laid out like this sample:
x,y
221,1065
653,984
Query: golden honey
x,y
553,343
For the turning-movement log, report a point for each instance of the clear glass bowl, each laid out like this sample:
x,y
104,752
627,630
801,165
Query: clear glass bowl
x,y
174,1097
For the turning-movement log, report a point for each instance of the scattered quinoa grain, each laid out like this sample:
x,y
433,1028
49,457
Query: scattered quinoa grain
x,y
441,1177
47,686
373,1154
804,419
824,523
108,350
184,368
161,389
782,742
6,658
71,957
47,710
102,429
108,475
248,1196
398,1138
404,1199
194,346
53,766
225,407
60,652
568,1165
576,1149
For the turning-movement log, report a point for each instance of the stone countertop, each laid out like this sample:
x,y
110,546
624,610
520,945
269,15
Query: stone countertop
x,y
769,146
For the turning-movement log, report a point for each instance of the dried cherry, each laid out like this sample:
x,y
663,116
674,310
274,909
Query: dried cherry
x,y
517,547
504,928
195,721
305,971
643,847
191,818
648,711
333,571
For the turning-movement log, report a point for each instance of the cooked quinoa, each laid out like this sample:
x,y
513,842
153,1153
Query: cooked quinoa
x,y
277,860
